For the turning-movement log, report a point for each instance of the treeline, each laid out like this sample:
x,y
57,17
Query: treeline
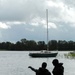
x,y
25,45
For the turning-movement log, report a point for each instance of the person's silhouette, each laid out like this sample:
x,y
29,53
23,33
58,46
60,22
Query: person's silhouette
x,y
42,70
58,67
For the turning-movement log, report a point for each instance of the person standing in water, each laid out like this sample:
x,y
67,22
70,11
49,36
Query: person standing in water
x,y
58,67
42,70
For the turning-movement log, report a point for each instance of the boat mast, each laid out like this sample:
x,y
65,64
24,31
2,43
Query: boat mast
x,y
47,27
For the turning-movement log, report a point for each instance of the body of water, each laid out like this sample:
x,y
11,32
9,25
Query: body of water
x,y
17,62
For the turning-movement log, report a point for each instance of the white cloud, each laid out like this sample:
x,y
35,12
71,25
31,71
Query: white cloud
x,y
4,26
15,23
35,24
68,15
43,22
38,21
54,3
51,25
35,21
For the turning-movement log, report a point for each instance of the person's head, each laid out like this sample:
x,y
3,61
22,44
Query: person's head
x,y
55,62
44,64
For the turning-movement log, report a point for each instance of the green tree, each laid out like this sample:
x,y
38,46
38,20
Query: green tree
x,y
41,45
53,45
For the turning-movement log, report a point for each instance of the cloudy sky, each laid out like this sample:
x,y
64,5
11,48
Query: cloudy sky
x,y
27,19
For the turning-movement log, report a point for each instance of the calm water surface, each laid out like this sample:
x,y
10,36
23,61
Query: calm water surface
x,y
17,62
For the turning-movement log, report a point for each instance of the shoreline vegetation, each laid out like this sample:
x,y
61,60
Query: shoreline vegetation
x,y
70,55
31,45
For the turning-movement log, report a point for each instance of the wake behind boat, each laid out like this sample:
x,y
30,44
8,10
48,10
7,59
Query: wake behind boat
x,y
45,53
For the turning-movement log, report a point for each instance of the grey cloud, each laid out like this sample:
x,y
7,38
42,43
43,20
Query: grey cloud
x,y
69,3
27,12
20,10
18,32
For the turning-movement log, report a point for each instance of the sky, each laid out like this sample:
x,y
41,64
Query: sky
x,y
27,19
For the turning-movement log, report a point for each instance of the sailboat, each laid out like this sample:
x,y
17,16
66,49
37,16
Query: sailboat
x,y
44,53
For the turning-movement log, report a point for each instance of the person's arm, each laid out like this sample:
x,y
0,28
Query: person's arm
x,y
33,69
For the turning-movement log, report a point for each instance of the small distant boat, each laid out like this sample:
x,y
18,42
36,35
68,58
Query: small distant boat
x,y
45,53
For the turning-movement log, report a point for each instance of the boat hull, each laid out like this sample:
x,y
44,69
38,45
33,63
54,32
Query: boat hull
x,y
43,54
